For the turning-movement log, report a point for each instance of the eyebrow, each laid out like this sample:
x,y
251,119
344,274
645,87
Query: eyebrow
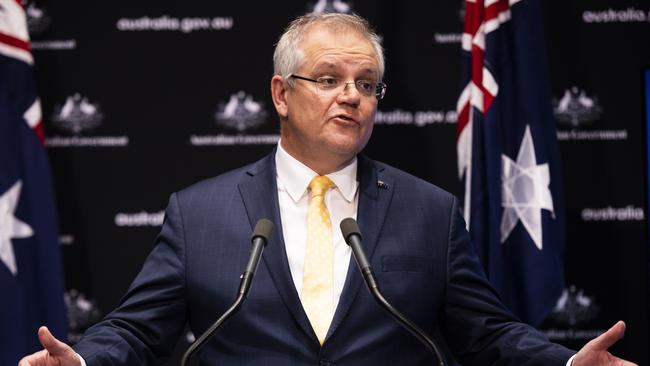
x,y
326,65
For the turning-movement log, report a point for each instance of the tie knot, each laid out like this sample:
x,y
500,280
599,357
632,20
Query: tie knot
x,y
319,185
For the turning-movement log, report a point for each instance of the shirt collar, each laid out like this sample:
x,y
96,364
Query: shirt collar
x,y
294,176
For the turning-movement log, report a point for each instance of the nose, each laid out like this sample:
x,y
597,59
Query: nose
x,y
349,95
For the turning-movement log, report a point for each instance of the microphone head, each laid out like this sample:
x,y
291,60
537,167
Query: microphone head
x,y
263,229
349,227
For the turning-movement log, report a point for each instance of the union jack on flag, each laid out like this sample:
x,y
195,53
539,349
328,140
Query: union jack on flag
x,y
14,43
508,155
31,279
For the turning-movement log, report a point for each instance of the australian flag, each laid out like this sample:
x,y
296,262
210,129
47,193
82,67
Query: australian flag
x,y
31,281
508,155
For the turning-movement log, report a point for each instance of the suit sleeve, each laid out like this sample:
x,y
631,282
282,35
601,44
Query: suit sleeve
x,y
151,316
478,327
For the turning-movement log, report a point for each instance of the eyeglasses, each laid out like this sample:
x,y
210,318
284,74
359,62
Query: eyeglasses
x,y
332,86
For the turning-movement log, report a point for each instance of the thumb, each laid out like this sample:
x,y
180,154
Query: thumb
x,y
53,346
607,339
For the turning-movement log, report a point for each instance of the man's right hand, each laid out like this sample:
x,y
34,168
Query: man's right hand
x,y
56,353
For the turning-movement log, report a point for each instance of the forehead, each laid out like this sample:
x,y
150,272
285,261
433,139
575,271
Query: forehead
x,y
325,46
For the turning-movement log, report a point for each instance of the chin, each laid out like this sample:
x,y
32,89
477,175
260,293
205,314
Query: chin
x,y
347,143
345,149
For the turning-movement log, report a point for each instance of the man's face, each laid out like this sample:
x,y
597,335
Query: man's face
x,y
325,130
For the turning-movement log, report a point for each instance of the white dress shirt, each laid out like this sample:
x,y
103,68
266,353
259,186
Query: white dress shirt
x,y
293,179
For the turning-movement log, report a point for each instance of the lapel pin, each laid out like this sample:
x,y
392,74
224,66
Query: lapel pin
x,y
381,184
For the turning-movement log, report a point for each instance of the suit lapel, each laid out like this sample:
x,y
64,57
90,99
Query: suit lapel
x,y
375,193
260,195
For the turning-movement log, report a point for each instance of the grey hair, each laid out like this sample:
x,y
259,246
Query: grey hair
x,y
288,56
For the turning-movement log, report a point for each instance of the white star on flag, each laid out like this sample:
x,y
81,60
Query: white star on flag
x,y
524,191
10,226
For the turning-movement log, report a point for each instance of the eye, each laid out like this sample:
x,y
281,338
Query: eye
x,y
328,82
366,85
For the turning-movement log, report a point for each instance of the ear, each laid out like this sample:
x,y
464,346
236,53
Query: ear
x,y
279,91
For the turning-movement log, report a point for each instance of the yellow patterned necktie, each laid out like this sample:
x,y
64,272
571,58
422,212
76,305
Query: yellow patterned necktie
x,y
317,294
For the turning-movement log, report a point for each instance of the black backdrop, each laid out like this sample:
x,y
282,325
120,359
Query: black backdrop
x,y
143,98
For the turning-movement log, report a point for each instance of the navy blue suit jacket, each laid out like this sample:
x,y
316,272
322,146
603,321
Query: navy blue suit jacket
x,y
417,244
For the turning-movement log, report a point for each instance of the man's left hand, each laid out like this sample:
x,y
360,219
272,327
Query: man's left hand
x,y
595,352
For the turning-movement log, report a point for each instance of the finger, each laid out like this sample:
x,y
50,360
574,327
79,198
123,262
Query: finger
x,y
50,343
607,339
35,359
622,362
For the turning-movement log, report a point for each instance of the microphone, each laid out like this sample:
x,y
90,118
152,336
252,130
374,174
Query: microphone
x,y
352,236
260,237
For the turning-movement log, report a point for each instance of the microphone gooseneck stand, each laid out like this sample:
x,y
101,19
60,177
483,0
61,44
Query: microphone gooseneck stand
x,y
259,239
352,236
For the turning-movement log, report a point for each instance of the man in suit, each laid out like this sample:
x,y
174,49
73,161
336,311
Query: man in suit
x,y
307,305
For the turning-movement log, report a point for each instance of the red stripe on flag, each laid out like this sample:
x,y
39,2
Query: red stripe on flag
x,y
40,132
463,119
495,9
477,65
14,42
473,17
487,101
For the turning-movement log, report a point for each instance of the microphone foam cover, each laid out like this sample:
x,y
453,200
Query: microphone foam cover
x,y
348,227
263,229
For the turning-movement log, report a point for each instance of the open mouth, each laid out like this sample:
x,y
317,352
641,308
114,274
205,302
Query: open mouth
x,y
346,118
